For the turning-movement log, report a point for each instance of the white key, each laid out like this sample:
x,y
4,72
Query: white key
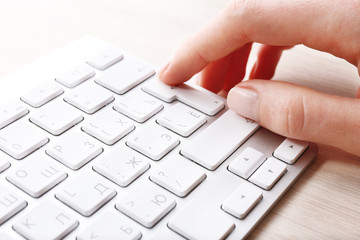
x,y
268,173
147,204
89,97
87,193
46,221
166,233
18,147
202,101
125,75
42,94
179,176
56,117
10,204
182,119
10,112
105,59
111,226
139,106
153,141
37,175
122,166
247,162
75,75
290,150
197,221
242,200
212,146
4,164
108,126
75,150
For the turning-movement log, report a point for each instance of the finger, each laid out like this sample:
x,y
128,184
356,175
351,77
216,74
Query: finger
x,y
278,23
267,60
300,113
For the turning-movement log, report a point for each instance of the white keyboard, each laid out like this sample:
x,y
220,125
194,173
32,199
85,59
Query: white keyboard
x,y
94,146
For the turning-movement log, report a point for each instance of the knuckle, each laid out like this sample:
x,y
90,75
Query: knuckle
x,y
294,120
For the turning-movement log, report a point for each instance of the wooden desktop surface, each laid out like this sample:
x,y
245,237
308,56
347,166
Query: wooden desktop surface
x,y
324,203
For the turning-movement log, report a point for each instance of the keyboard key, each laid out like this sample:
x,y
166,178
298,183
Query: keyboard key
x,y
211,147
242,200
108,126
111,226
46,221
86,194
10,112
89,97
4,164
290,150
42,94
202,101
153,141
138,106
37,175
125,75
166,233
182,119
75,150
105,59
75,76
56,117
147,204
179,176
31,139
196,221
268,173
10,204
247,162
122,166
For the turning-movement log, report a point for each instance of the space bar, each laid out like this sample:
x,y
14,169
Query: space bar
x,y
216,143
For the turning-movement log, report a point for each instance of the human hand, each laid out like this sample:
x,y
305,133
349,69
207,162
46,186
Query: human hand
x,y
220,51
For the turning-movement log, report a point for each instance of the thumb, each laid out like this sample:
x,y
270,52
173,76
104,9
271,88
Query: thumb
x,y
300,113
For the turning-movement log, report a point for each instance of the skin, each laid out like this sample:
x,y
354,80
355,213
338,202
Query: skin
x,y
220,52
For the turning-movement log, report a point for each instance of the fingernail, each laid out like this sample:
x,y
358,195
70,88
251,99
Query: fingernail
x,y
244,101
163,69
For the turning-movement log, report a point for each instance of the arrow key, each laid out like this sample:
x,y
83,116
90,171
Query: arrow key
x,y
290,150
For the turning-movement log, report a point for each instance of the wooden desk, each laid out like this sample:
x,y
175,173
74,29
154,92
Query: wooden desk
x,y
324,203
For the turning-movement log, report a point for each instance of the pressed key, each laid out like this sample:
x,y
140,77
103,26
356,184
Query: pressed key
x,y
11,112
87,193
147,204
38,175
202,101
31,139
179,176
89,97
182,119
212,146
290,150
75,76
111,226
108,126
122,166
75,150
105,59
197,221
139,106
153,141
242,200
46,221
10,204
56,117
42,94
4,164
247,162
268,173
125,75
